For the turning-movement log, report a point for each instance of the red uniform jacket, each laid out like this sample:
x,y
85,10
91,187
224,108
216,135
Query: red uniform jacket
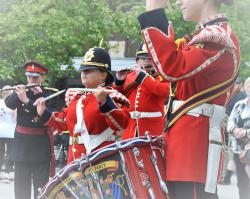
x,y
97,118
202,63
147,96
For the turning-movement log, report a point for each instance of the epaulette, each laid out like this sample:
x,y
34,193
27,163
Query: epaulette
x,y
51,89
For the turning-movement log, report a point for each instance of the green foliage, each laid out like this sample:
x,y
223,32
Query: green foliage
x,y
51,32
54,31
239,18
125,19
180,26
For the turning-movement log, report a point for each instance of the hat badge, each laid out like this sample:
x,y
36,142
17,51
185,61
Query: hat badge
x,y
89,55
32,67
144,48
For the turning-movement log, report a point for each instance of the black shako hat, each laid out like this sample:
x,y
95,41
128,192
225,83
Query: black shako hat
x,y
33,68
98,58
142,52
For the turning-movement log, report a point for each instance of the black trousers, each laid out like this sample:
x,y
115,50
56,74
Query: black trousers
x,y
27,173
5,146
242,178
189,190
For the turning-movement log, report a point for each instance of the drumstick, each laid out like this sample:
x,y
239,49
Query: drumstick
x,y
51,96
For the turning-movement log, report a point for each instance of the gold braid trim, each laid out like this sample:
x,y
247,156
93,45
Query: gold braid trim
x,y
94,64
204,92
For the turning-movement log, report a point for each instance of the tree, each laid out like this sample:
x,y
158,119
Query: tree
x,y
239,18
54,31
51,32
125,19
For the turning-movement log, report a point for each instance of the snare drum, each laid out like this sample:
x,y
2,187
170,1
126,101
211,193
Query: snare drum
x,y
131,168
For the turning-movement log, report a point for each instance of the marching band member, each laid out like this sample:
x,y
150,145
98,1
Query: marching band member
x,y
146,94
201,71
93,118
31,150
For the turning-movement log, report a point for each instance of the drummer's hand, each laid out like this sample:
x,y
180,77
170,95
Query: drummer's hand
x,y
122,75
101,95
21,93
40,105
156,4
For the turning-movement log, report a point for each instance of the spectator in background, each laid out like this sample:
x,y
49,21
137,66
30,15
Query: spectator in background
x,y
238,94
239,126
7,129
61,144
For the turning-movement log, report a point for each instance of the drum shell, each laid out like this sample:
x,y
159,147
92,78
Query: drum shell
x,y
138,175
77,171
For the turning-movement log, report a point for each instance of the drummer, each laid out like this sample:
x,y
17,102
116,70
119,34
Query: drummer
x,y
147,93
201,72
91,118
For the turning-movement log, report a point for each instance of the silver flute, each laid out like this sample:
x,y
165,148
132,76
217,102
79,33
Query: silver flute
x,y
14,87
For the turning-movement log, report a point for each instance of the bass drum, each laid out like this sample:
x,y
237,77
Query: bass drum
x,y
132,168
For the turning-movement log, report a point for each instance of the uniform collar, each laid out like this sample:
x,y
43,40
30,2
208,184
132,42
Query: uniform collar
x,y
218,18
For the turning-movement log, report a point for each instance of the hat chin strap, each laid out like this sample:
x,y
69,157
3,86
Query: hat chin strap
x,y
103,84
106,80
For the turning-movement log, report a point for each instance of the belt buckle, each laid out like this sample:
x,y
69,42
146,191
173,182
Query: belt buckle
x,y
136,114
75,140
